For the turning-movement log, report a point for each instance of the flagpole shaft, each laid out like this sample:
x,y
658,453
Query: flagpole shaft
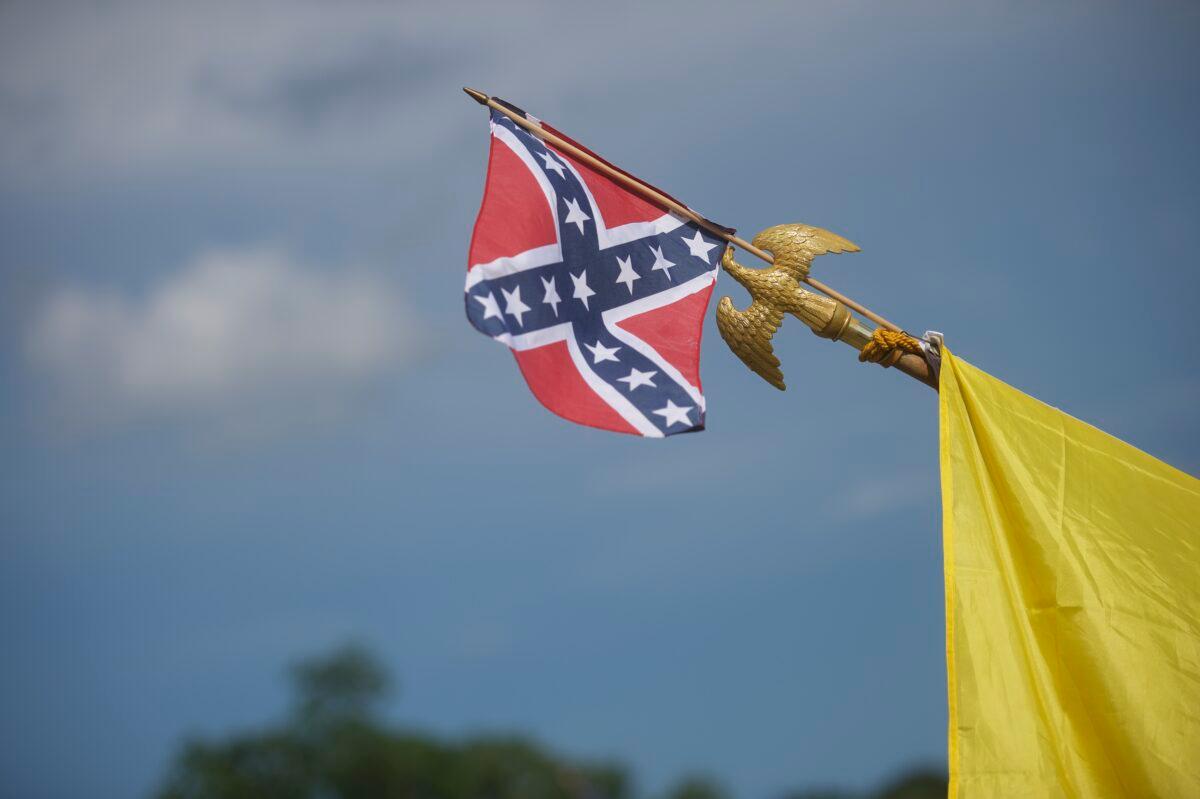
x,y
661,199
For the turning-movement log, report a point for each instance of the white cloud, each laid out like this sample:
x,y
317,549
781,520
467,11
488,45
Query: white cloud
x,y
135,85
139,85
229,330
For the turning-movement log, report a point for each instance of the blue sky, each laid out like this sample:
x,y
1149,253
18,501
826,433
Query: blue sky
x,y
243,418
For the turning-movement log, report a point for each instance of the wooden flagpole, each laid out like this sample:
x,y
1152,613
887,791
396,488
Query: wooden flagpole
x,y
661,199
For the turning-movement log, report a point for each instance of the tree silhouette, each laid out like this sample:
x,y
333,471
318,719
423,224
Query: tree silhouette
x,y
333,744
694,787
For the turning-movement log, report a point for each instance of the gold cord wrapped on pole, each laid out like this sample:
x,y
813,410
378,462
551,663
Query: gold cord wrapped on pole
x,y
886,347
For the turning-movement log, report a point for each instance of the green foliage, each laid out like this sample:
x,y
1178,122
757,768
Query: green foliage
x,y
927,784
923,784
694,787
349,683
333,745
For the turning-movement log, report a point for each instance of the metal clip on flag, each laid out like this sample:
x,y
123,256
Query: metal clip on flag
x,y
598,282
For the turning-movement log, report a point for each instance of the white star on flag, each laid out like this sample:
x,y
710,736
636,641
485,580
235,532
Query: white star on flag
x,y
582,289
637,378
552,163
552,299
490,306
660,261
580,361
628,275
675,414
697,245
601,352
513,305
575,214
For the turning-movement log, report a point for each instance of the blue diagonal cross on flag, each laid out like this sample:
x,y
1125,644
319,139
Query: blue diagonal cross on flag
x,y
599,293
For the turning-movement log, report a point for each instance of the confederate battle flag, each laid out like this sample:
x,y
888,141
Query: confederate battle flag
x,y
599,293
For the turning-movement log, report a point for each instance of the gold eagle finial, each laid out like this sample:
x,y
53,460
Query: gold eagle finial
x,y
776,291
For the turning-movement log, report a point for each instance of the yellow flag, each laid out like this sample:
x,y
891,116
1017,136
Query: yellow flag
x,y
1072,603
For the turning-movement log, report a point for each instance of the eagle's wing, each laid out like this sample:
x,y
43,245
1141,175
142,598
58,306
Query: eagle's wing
x,y
794,246
748,333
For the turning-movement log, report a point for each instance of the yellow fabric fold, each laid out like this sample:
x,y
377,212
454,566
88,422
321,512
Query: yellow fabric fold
x,y
1072,565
